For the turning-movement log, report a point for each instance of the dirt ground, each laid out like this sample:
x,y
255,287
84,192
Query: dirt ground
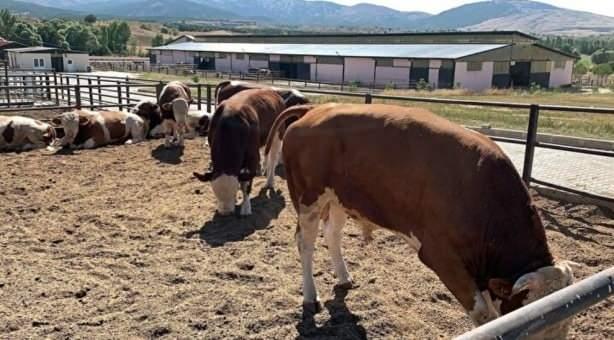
x,y
121,242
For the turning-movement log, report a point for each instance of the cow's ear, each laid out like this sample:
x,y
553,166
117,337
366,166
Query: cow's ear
x,y
501,288
167,106
57,121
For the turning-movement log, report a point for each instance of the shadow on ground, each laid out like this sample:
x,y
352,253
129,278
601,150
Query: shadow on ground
x,y
166,155
341,325
222,229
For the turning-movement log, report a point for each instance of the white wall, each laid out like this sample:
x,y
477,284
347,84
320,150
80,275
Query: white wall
x,y
474,80
26,60
222,64
328,73
434,66
240,65
359,69
258,64
394,75
79,62
165,57
561,76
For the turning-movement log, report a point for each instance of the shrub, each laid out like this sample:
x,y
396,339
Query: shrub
x,y
196,78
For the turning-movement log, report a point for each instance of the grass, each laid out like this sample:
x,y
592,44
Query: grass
x,y
560,123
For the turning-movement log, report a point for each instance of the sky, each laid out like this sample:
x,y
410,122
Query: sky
x,y
605,7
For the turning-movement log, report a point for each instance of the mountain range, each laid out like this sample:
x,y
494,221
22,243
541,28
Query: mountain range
x,y
525,15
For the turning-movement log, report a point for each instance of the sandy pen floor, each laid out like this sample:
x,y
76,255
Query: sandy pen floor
x,y
121,242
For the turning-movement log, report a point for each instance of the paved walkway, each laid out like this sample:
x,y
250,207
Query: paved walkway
x,y
593,174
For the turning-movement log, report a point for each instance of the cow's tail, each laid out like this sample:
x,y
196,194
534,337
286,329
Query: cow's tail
x,y
272,150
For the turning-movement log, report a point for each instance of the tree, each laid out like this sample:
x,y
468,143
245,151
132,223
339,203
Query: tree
x,y
603,70
82,38
7,23
26,34
52,36
582,67
90,19
602,56
158,40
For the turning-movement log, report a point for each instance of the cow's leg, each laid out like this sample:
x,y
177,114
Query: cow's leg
x,y
306,234
333,228
246,206
169,127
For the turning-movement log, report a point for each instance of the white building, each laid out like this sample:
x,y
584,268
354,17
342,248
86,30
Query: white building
x,y
472,60
48,58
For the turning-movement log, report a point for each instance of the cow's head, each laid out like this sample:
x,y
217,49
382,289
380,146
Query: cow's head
x,y
149,112
69,122
293,98
225,188
49,135
534,286
203,124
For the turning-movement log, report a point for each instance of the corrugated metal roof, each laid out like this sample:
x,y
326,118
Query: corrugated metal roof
x,y
421,51
34,49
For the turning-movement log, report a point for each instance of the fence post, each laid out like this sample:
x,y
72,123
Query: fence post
x,y
368,98
99,92
529,153
119,96
128,90
68,90
55,83
89,84
47,84
6,83
199,90
78,96
209,100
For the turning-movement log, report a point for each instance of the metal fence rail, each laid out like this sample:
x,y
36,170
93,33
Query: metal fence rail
x,y
547,311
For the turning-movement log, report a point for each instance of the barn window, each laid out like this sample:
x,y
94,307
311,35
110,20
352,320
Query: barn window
x,y
35,62
259,57
501,67
420,64
559,64
221,55
69,61
330,60
39,62
474,66
240,56
384,62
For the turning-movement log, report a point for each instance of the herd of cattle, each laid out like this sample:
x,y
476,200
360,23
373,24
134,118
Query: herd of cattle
x,y
450,192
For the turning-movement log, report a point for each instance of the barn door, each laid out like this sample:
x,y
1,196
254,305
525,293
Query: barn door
x,y
57,63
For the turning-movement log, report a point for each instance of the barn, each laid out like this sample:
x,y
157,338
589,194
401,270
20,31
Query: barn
x,y
48,58
471,60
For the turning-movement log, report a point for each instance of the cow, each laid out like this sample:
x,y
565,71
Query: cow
x,y
19,133
450,192
171,113
238,128
197,123
228,88
85,129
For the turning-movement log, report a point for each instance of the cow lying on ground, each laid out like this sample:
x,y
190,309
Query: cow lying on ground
x,y
85,129
450,192
197,124
228,88
22,133
238,128
171,114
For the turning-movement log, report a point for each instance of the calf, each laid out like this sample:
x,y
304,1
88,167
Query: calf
x,y
227,89
22,133
451,193
197,123
90,129
238,128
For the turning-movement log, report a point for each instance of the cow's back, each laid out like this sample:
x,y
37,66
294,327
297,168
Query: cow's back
x,y
408,170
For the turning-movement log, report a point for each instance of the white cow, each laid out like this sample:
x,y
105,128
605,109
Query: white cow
x,y
19,133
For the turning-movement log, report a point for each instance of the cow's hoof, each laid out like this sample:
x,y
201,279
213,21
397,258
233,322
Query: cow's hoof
x,y
347,285
312,307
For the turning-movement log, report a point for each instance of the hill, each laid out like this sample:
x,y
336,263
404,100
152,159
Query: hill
x,y
529,16
35,10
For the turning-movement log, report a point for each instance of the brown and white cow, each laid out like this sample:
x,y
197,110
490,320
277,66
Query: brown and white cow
x,y
450,192
238,128
197,123
228,88
85,129
171,114
19,133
